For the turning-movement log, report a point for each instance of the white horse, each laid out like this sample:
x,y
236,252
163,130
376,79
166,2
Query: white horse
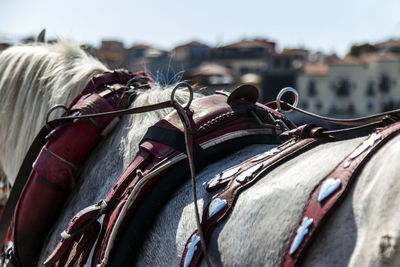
x,y
364,230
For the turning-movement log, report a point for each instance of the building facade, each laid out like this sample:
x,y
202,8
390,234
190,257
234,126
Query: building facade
x,y
351,86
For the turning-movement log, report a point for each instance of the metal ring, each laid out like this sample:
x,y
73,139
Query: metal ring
x,y
51,110
281,93
190,96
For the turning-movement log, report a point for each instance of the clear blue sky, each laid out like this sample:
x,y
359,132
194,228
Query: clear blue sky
x,y
318,25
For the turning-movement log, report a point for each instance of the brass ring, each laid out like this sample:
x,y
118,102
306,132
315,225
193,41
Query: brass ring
x,y
281,93
181,84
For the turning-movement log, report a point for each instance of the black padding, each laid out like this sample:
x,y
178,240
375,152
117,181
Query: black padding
x,y
174,139
247,92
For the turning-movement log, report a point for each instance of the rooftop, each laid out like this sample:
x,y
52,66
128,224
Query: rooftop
x,y
315,68
256,43
209,68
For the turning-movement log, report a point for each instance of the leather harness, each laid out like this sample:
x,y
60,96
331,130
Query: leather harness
x,y
214,121
209,124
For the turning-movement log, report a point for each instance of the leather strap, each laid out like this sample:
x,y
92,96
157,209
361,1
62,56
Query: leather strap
x,y
330,191
373,121
242,176
20,181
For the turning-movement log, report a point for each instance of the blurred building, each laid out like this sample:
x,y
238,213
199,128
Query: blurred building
x,y
246,56
190,55
391,45
351,86
282,72
156,62
112,53
211,77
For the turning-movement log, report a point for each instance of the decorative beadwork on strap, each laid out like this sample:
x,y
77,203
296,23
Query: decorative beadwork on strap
x,y
330,191
237,178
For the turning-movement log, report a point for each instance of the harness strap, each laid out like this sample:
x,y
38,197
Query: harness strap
x,y
20,181
370,122
330,191
242,176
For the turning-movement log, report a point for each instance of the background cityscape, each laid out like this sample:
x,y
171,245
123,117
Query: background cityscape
x,y
363,82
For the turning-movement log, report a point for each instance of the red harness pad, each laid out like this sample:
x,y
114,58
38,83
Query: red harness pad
x,y
54,170
213,122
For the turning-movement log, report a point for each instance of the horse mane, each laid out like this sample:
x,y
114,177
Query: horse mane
x,y
34,77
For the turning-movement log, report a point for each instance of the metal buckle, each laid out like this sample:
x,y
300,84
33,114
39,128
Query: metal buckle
x,y
280,124
103,206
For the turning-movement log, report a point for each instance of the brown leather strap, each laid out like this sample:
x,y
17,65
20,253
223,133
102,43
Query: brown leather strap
x,y
243,176
183,114
331,191
372,120
165,104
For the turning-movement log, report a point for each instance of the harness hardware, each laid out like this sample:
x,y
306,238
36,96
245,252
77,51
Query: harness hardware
x,y
103,207
51,111
281,93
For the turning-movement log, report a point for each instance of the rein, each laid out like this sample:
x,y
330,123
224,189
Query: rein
x,y
362,123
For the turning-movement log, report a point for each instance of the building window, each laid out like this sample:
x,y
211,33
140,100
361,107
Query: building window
x,y
342,87
384,83
312,88
370,89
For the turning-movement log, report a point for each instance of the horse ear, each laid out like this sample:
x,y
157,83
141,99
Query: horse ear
x,y
247,91
41,36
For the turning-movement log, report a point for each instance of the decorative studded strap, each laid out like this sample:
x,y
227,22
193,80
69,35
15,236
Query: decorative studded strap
x,y
330,192
244,175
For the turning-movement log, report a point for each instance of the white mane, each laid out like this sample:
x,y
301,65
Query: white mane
x,y
32,79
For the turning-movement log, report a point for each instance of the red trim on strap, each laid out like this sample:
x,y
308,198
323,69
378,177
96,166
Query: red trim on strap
x,y
347,172
250,171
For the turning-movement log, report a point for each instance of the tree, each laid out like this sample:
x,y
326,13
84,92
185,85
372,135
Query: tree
x,y
358,50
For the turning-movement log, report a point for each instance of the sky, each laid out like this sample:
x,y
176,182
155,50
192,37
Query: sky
x,y
327,26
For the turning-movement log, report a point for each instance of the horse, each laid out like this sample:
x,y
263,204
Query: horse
x,y
363,231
